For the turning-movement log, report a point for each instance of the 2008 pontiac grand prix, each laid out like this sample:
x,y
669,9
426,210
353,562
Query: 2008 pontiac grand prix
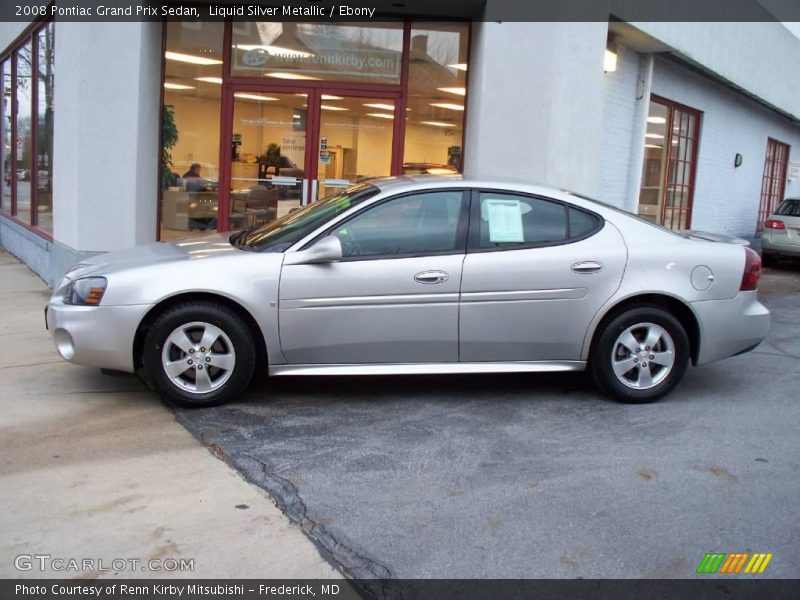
x,y
417,275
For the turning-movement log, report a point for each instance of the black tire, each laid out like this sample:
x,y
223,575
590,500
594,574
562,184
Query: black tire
x,y
608,348
228,383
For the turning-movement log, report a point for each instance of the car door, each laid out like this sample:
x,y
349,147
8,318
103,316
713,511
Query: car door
x,y
393,298
536,272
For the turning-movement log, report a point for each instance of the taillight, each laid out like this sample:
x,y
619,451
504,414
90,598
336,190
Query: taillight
x,y
774,224
752,270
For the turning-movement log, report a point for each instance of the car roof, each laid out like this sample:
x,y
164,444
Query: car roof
x,y
410,182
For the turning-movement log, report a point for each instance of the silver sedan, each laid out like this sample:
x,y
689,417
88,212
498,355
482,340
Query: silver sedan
x,y
417,275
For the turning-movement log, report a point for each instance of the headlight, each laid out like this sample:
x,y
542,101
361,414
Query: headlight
x,y
85,292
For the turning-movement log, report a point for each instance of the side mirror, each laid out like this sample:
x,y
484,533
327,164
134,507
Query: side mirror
x,y
327,250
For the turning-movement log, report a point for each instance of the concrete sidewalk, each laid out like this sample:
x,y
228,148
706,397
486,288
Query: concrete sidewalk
x,y
96,467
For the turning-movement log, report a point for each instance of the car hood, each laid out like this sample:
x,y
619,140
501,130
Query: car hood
x,y
204,248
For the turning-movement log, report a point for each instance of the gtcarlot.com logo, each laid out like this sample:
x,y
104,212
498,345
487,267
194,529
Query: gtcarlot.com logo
x,y
735,563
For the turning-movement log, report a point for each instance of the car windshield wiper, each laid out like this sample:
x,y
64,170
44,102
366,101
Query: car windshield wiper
x,y
239,239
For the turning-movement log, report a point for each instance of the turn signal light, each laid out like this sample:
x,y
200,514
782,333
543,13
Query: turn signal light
x,y
774,224
752,270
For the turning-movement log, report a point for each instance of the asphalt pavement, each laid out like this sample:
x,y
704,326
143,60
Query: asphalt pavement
x,y
533,476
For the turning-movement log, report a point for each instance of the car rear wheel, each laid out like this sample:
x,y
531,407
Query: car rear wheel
x,y
199,354
640,355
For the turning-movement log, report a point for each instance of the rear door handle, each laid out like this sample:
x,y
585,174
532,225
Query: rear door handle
x,y
431,277
588,266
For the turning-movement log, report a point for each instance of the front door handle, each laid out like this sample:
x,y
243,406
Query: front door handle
x,y
431,277
588,266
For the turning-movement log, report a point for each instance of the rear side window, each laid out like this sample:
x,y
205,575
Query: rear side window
x,y
789,208
582,223
509,220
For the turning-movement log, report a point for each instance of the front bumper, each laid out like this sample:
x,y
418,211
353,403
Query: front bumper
x,y
729,327
96,336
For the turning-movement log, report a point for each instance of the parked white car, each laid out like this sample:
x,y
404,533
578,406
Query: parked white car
x,y
417,275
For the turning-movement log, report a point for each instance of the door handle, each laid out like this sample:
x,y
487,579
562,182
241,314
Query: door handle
x,y
431,277
588,266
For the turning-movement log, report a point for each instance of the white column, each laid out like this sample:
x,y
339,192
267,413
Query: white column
x,y
107,78
535,102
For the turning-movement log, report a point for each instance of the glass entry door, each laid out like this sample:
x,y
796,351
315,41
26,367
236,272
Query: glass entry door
x,y
268,162
355,141
289,148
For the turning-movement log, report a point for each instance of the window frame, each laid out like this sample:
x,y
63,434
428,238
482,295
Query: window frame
x,y
462,227
474,241
29,35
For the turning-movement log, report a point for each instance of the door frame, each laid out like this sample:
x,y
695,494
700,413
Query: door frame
x,y
313,120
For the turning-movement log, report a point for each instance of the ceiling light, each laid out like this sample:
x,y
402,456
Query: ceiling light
x,y
655,136
177,86
217,80
652,146
381,106
189,58
459,66
447,105
438,123
254,97
656,120
290,76
328,97
296,116
274,50
454,90
381,115
331,107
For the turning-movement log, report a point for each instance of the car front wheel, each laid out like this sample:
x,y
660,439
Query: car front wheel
x,y
199,354
640,355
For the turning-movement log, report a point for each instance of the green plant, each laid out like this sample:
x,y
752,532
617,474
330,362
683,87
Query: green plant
x,y
272,157
169,137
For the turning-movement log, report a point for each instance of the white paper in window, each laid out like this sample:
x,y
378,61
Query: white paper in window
x,y
505,220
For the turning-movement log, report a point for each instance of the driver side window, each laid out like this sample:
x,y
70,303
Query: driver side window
x,y
424,223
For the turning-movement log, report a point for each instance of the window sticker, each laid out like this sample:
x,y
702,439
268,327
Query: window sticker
x,y
505,220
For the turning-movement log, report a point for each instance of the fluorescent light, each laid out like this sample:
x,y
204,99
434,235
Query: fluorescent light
x,y
328,97
296,116
274,50
254,97
652,146
656,120
190,58
290,76
655,136
381,106
438,123
331,107
459,66
447,105
609,61
454,90
381,115
177,86
217,80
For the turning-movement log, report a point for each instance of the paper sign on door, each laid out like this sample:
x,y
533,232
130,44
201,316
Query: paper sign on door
x,y
505,220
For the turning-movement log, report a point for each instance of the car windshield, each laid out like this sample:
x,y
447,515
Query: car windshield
x,y
789,208
279,235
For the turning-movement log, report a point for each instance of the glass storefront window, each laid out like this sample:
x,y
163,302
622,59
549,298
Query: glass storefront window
x,y
355,142
313,51
268,156
191,126
44,127
23,130
437,77
5,137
